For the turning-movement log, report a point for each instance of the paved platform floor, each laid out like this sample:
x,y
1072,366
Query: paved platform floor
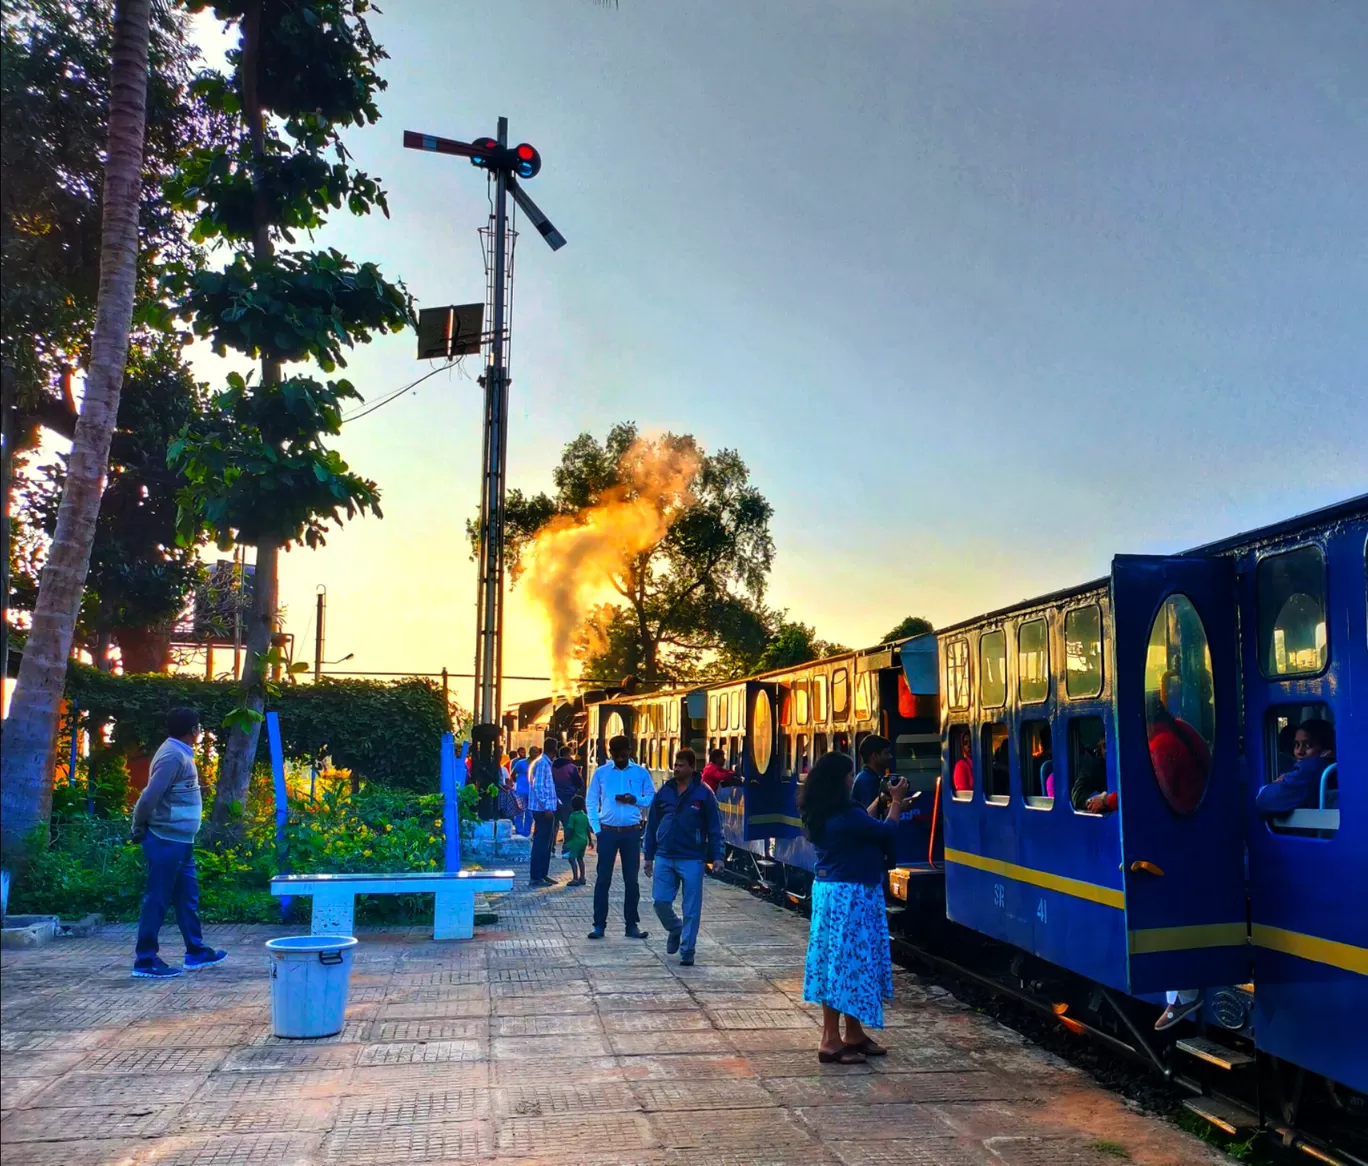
x,y
530,1044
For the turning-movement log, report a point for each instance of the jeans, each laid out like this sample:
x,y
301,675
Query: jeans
x,y
611,843
543,837
171,882
1182,996
670,875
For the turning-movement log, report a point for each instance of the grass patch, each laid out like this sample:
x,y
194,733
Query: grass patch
x,y
1112,1149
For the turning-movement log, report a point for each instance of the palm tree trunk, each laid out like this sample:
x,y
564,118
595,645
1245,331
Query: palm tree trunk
x,y
31,727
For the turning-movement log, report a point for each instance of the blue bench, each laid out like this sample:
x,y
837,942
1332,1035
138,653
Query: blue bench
x,y
334,896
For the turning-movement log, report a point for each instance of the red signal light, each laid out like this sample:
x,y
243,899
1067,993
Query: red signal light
x,y
526,152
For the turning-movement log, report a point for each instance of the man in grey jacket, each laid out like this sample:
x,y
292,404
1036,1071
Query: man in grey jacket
x,y
166,820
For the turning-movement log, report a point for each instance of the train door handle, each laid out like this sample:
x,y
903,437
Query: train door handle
x,y
1148,867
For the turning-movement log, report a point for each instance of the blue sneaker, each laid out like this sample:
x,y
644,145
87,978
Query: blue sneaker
x,y
205,959
156,970
672,944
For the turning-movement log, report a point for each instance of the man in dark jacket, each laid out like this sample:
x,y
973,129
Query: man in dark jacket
x,y
683,833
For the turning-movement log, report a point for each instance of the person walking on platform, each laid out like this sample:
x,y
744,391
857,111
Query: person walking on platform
x,y
619,793
165,820
849,968
542,803
683,832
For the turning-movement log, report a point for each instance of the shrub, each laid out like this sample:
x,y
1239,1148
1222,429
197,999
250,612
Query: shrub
x,y
389,732
88,864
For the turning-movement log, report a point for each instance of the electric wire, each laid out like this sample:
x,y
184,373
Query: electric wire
x,y
367,410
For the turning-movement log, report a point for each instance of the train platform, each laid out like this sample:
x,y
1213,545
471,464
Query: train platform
x,y
531,1044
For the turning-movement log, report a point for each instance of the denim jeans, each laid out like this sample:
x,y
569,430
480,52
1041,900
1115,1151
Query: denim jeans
x,y
670,875
543,839
171,882
610,844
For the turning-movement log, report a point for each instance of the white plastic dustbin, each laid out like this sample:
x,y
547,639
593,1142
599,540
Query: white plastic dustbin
x,y
310,975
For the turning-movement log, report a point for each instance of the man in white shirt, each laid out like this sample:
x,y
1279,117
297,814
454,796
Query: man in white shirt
x,y
619,795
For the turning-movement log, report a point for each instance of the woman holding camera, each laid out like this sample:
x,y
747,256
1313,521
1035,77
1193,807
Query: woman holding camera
x,y
849,969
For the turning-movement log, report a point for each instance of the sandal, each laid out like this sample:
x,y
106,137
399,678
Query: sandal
x,y
849,1055
869,1047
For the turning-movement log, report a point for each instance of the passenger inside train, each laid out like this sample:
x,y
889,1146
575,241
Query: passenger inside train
x,y
963,776
716,774
876,753
1088,786
1313,750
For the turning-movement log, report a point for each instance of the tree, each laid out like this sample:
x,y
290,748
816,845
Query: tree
x,y
257,470
54,105
793,644
913,625
651,556
140,577
30,728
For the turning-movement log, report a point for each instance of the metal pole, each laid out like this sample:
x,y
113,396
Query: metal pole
x,y
485,732
318,633
6,468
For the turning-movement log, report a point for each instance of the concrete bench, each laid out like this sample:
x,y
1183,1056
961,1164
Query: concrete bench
x,y
334,896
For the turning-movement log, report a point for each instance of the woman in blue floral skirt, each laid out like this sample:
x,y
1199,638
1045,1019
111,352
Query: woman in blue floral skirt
x,y
849,968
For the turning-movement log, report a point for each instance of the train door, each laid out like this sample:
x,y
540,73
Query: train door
x,y
1178,747
771,809
613,720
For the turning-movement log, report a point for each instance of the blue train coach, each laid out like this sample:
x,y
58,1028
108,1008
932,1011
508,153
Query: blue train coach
x,y
1107,751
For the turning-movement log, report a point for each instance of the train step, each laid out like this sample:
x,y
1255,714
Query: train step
x,y
1225,1115
1213,1053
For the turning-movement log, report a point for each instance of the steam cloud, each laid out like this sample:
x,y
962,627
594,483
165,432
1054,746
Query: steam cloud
x,y
578,562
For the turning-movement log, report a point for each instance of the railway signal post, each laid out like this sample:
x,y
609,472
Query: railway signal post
x,y
505,165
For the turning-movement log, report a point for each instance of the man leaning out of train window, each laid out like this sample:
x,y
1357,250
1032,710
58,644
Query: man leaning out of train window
x,y
1299,788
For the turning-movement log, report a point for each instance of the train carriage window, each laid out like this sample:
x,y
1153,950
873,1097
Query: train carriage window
x,y
962,763
762,730
819,700
1037,764
786,754
1290,592
738,716
840,695
612,727
1299,747
1180,704
993,668
1033,661
800,702
801,757
819,746
655,754
1087,761
712,713
734,755
1083,652
957,674
785,705
994,749
862,710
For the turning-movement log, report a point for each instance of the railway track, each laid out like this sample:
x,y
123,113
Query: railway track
x,y
1053,1008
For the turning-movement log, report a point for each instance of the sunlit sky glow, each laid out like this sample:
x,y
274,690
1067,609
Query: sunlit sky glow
x,y
983,291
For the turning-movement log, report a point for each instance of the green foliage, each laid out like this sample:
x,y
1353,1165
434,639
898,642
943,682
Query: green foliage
x,y
106,771
89,864
139,577
257,466
794,644
913,625
305,306
257,470
385,732
54,99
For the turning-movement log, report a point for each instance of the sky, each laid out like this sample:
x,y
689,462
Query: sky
x,y
983,291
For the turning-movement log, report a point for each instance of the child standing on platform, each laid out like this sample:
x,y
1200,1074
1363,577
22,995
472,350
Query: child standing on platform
x,y
578,837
